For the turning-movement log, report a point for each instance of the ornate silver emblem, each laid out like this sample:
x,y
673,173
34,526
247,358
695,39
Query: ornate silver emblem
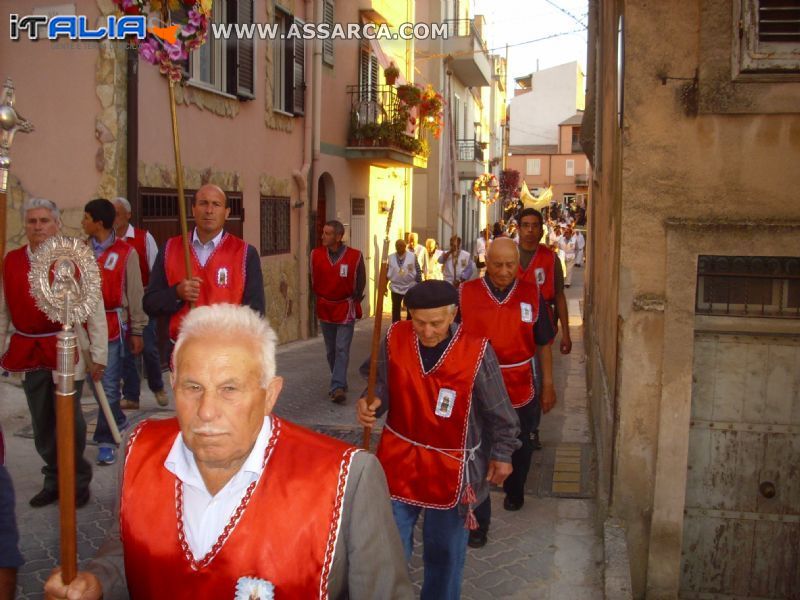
x,y
70,297
222,277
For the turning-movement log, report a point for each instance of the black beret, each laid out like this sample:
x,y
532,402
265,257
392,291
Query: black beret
x,y
431,294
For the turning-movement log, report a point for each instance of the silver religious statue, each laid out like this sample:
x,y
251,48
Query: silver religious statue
x,y
10,122
68,299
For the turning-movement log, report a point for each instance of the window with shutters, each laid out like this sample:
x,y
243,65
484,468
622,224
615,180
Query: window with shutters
x,y
327,44
570,168
534,166
288,62
275,225
226,66
367,73
767,34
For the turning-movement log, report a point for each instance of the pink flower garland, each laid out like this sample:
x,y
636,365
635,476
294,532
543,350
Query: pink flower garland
x,y
190,35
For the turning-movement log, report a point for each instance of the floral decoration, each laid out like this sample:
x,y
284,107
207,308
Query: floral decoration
x,y
190,35
486,188
431,110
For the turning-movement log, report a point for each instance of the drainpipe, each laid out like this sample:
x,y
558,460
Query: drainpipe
x,y
301,177
132,139
316,116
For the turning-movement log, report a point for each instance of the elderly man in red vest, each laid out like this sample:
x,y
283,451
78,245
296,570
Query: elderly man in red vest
x,y
229,501
338,278
225,268
450,430
32,351
122,295
146,248
511,313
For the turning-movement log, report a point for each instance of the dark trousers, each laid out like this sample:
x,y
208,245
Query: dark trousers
x,y
397,304
131,383
40,393
514,485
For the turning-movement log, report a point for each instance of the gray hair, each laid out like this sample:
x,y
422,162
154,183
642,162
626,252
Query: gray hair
x,y
232,320
338,228
34,203
123,202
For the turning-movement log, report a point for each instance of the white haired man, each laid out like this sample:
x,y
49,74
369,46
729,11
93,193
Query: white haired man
x,y
145,245
32,351
243,502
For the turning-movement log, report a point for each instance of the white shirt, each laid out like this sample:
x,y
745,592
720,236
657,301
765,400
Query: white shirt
x,y
463,267
402,272
205,516
149,243
202,250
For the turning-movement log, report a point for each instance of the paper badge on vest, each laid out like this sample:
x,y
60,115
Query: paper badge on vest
x,y
111,261
445,402
526,312
343,270
222,277
252,588
539,275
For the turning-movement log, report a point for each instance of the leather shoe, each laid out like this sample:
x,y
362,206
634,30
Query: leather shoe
x,y
126,404
338,396
477,538
161,397
44,497
82,497
513,504
536,443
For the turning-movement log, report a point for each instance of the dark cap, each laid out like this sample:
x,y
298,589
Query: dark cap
x,y
431,294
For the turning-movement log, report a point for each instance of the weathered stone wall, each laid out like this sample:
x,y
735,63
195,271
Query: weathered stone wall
x,y
710,159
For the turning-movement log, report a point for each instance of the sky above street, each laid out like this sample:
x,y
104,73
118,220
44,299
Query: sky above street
x,y
514,22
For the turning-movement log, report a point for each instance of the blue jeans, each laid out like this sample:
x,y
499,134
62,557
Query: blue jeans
x,y
10,558
337,348
110,382
152,366
444,547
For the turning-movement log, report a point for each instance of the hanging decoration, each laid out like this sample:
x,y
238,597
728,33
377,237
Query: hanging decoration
x,y
178,27
486,188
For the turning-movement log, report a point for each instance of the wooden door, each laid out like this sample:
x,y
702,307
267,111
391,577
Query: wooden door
x,y
741,536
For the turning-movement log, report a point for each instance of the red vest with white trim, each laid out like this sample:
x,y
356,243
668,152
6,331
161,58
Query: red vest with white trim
x,y
33,345
139,243
509,326
286,530
223,275
431,409
113,263
334,284
541,271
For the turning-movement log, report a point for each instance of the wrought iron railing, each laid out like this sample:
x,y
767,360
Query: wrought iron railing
x,y
582,179
469,149
379,118
464,28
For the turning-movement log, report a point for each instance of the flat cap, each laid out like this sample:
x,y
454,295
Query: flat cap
x,y
431,294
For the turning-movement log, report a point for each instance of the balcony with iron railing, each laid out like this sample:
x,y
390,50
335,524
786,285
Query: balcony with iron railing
x,y
582,180
469,158
467,51
380,132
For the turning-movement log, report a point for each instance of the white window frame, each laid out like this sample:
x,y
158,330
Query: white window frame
x,y
754,60
216,49
569,167
533,166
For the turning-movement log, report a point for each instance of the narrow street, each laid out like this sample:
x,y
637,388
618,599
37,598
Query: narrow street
x,y
547,550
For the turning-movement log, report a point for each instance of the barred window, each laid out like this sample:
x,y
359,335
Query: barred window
x,y
748,286
275,222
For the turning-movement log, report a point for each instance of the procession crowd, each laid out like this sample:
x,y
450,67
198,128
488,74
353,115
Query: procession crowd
x,y
252,505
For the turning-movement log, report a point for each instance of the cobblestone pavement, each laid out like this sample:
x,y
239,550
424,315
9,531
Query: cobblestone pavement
x,y
548,550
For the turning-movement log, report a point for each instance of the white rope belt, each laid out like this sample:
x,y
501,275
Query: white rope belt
x,y
35,335
445,451
519,364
